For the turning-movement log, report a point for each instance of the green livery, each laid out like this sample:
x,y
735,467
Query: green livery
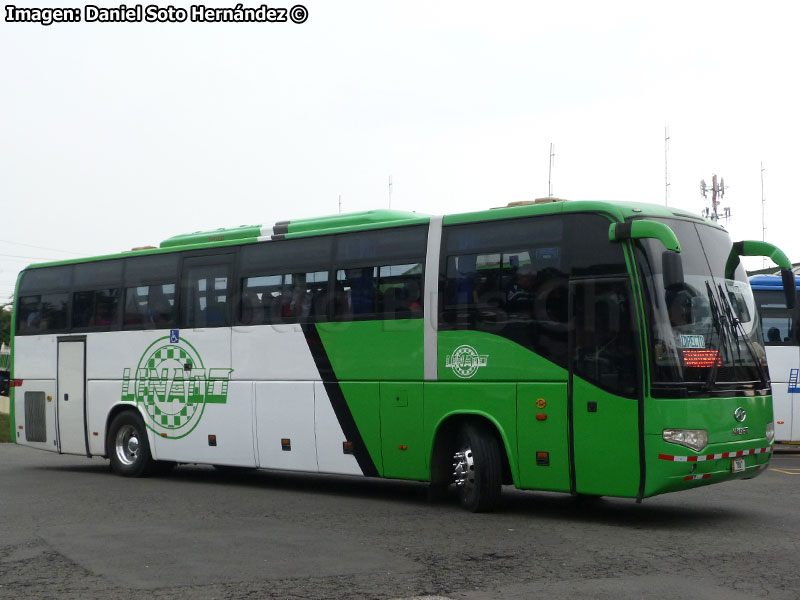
x,y
590,348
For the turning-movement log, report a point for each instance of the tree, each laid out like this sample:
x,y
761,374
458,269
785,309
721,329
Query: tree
x,y
5,322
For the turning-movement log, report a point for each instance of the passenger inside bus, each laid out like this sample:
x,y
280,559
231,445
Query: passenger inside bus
x,y
679,307
158,306
519,297
104,314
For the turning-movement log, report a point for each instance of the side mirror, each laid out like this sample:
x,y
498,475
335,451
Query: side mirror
x,y
755,248
789,287
672,269
644,229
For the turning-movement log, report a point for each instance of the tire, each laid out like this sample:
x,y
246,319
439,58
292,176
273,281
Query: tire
x,y
478,468
127,446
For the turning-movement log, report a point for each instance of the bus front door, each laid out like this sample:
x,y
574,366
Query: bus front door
x,y
71,395
604,409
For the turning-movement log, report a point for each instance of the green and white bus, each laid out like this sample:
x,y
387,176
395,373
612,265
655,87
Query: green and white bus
x,y
592,348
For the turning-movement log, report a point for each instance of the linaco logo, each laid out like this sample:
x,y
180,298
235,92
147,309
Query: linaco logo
x,y
173,386
465,361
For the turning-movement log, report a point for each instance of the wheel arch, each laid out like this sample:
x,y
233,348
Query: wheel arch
x,y
444,440
121,407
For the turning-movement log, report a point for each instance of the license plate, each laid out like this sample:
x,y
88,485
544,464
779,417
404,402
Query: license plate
x,y
737,465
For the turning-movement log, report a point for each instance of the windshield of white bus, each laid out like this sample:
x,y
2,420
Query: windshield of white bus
x,y
704,333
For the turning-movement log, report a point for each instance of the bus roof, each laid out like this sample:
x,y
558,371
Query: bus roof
x,y
383,218
770,282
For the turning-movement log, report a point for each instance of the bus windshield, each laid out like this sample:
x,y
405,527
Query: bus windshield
x,y
704,332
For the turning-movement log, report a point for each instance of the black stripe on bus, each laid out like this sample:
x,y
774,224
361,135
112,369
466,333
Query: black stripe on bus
x,y
338,402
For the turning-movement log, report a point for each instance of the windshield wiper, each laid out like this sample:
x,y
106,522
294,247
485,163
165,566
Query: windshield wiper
x,y
722,332
739,334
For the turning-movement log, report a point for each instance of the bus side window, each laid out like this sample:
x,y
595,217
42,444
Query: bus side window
x,y
206,290
378,274
383,292
29,313
44,300
95,308
40,313
150,291
150,306
355,292
286,298
777,323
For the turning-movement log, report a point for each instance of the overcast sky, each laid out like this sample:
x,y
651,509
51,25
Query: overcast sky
x,y
121,135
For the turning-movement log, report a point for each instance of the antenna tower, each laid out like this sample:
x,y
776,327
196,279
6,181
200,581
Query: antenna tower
x,y
717,190
763,215
550,171
666,170
390,191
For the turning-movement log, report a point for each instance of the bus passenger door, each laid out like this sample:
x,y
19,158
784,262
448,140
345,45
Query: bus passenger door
x,y
604,354
71,395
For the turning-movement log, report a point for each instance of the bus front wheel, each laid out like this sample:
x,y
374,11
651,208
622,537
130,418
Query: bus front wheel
x,y
477,468
128,448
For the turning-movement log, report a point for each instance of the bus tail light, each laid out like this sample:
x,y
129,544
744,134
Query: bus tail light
x,y
15,383
770,432
696,439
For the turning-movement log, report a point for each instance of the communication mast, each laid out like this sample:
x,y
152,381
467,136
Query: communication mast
x,y
666,170
717,190
550,171
763,215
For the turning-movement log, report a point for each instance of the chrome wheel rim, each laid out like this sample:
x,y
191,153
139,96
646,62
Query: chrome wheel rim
x,y
464,469
127,444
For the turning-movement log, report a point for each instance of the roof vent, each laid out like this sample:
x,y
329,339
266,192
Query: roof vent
x,y
532,202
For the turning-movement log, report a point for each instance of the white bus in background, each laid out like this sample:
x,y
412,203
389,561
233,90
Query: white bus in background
x,y
779,325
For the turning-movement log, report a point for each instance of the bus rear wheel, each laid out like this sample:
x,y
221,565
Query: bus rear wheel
x,y
127,446
477,468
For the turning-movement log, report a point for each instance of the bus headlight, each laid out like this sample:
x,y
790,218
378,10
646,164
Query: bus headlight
x,y
696,439
770,432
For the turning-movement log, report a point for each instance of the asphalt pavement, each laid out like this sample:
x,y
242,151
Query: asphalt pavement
x,y
69,529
